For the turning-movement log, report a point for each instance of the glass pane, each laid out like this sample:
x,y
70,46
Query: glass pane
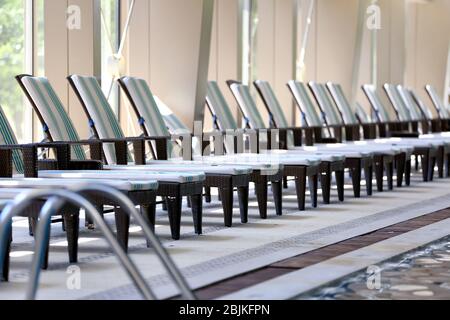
x,y
110,45
12,63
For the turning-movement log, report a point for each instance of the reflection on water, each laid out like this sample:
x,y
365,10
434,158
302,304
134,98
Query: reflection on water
x,y
421,274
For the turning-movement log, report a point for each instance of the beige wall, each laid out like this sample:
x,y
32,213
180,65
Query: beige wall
x,y
163,44
428,45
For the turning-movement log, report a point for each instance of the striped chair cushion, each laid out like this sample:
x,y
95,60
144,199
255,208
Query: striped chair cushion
x,y
176,127
332,115
123,185
127,175
274,106
341,101
377,105
219,108
437,102
7,137
362,114
57,122
104,119
395,99
247,104
305,104
408,101
146,106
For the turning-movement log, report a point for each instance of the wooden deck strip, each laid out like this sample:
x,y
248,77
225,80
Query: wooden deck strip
x,y
316,256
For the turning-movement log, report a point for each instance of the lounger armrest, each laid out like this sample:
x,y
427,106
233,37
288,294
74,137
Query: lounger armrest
x,y
30,156
6,167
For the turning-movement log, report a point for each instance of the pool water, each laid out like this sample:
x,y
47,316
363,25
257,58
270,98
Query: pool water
x,y
420,274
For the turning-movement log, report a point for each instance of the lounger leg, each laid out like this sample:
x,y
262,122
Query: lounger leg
x,y
197,212
285,183
325,182
390,175
379,169
440,162
72,223
122,226
33,223
148,212
277,197
5,272
226,196
425,167
400,164
174,212
356,179
416,166
189,203
208,194
300,185
340,184
243,203
313,184
368,175
261,195
431,169
408,166
164,204
448,166
89,222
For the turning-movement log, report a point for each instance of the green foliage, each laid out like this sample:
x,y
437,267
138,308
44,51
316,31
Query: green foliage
x,y
12,58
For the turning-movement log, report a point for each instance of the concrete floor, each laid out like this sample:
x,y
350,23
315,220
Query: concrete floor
x,y
220,252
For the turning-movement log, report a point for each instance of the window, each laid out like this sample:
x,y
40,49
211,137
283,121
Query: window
x,y
110,33
15,58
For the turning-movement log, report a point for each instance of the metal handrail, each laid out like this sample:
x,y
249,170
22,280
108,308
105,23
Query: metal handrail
x,y
58,198
128,207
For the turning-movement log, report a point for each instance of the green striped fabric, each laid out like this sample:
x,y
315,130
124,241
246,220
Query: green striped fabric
x,y
277,113
437,102
343,104
219,108
362,114
247,104
7,137
376,103
147,108
56,119
332,115
104,119
305,104
408,100
403,113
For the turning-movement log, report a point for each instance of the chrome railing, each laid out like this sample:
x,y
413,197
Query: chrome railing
x,y
57,198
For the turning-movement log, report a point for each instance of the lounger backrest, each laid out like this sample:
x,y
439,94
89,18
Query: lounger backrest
x,y
416,112
7,137
273,107
248,106
271,102
219,108
342,103
304,103
101,116
423,107
402,111
377,106
362,114
332,115
437,102
55,120
146,109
